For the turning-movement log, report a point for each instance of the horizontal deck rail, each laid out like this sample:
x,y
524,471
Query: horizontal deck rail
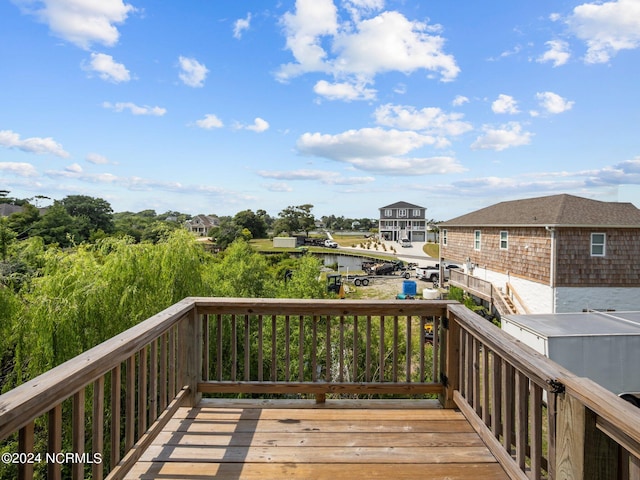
x,y
539,419
106,405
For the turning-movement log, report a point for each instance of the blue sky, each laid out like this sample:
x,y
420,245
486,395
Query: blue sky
x,y
219,106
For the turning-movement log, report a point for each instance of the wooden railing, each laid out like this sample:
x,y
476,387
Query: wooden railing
x,y
474,285
95,414
539,419
126,389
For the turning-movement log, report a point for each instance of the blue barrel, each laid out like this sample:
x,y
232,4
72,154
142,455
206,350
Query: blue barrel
x,y
409,287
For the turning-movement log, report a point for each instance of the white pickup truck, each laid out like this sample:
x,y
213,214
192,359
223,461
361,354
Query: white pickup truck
x,y
432,272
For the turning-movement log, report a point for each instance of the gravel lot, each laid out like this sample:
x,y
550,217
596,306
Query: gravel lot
x,y
384,288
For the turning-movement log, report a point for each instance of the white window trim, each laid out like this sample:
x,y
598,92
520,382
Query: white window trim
x,y
402,212
388,212
477,239
505,240
603,244
444,237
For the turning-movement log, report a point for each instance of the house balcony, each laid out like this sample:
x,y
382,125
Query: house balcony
x,y
275,388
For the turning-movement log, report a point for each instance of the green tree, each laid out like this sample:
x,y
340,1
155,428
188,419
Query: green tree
x,y
22,222
7,236
242,272
56,226
226,232
304,279
295,219
254,222
91,214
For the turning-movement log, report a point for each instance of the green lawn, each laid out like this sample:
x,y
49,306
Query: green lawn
x,y
432,249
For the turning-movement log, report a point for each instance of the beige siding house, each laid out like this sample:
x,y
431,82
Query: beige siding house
x,y
559,253
201,224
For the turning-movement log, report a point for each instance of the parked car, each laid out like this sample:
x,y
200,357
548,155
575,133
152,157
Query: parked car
x,y
405,242
432,273
330,243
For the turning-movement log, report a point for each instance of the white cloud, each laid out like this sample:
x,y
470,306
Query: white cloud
x,y
391,42
193,73
558,53
241,25
626,172
606,27
498,139
358,8
20,169
505,104
37,145
323,176
259,125
209,121
138,183
378,150
312,20
344,91
430,120
98,159
81,22
459,100
107,68
362,48
280,187
74,168
135,109
554,103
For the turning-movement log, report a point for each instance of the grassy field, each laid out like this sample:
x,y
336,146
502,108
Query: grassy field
x,y
266,245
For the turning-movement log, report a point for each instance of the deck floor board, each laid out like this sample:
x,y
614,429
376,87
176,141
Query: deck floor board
x,y
298,439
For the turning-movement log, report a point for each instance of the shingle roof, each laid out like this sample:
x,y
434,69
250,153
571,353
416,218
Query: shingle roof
x,y
554,210
401,205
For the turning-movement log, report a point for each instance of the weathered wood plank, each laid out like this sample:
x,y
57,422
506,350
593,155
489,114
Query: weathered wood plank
x,y
293,388
265,471
206,414
355,455
271,306
371,426
265,438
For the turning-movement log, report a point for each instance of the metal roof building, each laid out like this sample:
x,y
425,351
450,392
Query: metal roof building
x,y
604,346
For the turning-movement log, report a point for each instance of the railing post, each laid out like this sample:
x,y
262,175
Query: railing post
x,y
190,354
450,349
582,451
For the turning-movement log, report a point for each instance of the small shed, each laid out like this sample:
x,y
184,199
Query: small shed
x,y
284,242
603,346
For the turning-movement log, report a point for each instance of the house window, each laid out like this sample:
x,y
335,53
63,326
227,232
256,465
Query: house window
x,y
416,212
504,240
598,244
476,240
387,212
444,237
402,212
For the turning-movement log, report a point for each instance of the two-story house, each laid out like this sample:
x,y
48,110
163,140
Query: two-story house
x,y
403,220
201,224
559,253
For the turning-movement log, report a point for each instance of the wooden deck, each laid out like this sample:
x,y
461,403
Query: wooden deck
x,y
262,439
